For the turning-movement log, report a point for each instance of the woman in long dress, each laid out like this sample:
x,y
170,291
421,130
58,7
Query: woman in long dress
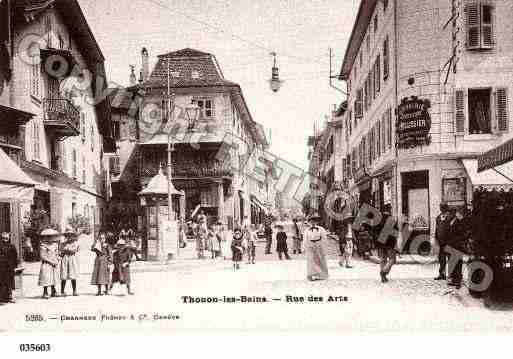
x,y
49,272
69,262
314,236
102,262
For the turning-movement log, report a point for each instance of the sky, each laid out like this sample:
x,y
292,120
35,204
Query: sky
x,y
241,34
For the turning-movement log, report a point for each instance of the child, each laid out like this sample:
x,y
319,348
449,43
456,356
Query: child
x,y
281,242
348,248
211,242
237,249
250,246
121,273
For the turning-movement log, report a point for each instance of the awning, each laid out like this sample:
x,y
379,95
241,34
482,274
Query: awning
x,y
490,178
15,116
495,157
14,183
158,185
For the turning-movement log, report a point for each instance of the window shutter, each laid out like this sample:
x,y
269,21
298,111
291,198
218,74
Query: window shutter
x,y
386,60
487,26
378,74
501,109
389,128
459,111
378,139
473,16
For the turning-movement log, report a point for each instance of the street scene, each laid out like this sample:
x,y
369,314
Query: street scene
x,y
334,165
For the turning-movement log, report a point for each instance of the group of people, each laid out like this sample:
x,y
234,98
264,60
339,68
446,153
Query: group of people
x,y
60,264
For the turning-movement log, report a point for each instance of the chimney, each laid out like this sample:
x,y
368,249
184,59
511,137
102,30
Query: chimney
x,y
133,78
145,64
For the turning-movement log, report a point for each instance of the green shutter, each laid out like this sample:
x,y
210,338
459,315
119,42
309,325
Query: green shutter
x,y
501,109
473,18
459,111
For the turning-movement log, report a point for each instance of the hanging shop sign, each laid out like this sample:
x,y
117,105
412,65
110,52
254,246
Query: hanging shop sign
x,y
413,123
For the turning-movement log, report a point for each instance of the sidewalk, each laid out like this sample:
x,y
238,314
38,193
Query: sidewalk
x,y
409,259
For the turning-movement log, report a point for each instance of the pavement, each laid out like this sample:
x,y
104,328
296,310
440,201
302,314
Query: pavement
x,y
353,299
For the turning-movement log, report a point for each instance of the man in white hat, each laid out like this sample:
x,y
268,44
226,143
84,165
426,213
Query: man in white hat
x,y
8,263
314,236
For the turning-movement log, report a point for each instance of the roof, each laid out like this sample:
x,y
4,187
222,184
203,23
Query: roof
x,y
357,35
159,185
14,115
10,172
74,19
187,68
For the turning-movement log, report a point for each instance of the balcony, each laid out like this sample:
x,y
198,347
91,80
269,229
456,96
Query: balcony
x,y
61,118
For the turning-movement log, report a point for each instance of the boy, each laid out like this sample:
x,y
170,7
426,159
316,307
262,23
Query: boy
x,y
348,248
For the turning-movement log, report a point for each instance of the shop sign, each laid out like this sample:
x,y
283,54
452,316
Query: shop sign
x,y
454,191
413,123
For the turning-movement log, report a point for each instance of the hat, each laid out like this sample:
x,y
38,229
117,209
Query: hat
x,y
314,217
69,230
49,232
5,235
121,242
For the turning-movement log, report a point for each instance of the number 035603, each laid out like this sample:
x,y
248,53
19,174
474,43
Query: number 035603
x,y
35,347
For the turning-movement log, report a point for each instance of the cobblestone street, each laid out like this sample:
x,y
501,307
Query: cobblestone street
x,y
412,300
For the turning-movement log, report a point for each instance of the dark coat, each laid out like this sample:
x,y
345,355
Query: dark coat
x,y
281,242
237,250
8,263
443,228
458,234
121,259
364,241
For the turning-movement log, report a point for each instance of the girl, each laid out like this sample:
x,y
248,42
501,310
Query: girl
x,y
211,242
49,272
69,262
102,262
237,249
348,248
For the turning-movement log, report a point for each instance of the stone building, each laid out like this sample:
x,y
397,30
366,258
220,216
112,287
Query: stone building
x,y
429,87
50,51
212,133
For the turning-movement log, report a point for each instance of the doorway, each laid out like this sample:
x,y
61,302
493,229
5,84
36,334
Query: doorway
x,y
415,206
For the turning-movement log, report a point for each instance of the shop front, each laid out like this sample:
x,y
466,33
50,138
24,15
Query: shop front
x,y
16,196
382,184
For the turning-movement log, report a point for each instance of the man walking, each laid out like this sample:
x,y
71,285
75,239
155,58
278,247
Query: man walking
x,y
268,232
442,231
386,245
297,237
8,263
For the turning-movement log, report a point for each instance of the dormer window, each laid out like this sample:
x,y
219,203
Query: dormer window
x,y
206,106
195,74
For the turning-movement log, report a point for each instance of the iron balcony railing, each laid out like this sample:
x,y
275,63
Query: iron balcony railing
x,y
61,113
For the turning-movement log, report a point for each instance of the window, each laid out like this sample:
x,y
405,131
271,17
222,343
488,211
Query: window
x,y
389,128
479,18
35,78
73,209
206,107
385,5
376,23
378,139
368,44
377,74
487,111
36,139
386,59
92,138
82,126
479,111
358,110
361,58
83,169
164,111
75,164
116,128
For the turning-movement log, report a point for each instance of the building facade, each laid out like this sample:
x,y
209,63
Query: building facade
x,y
214,141
51,53
429,90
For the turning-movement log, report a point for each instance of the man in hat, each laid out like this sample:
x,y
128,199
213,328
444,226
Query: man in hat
x,y
314,236
69,262
8,263
386,246
442,232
